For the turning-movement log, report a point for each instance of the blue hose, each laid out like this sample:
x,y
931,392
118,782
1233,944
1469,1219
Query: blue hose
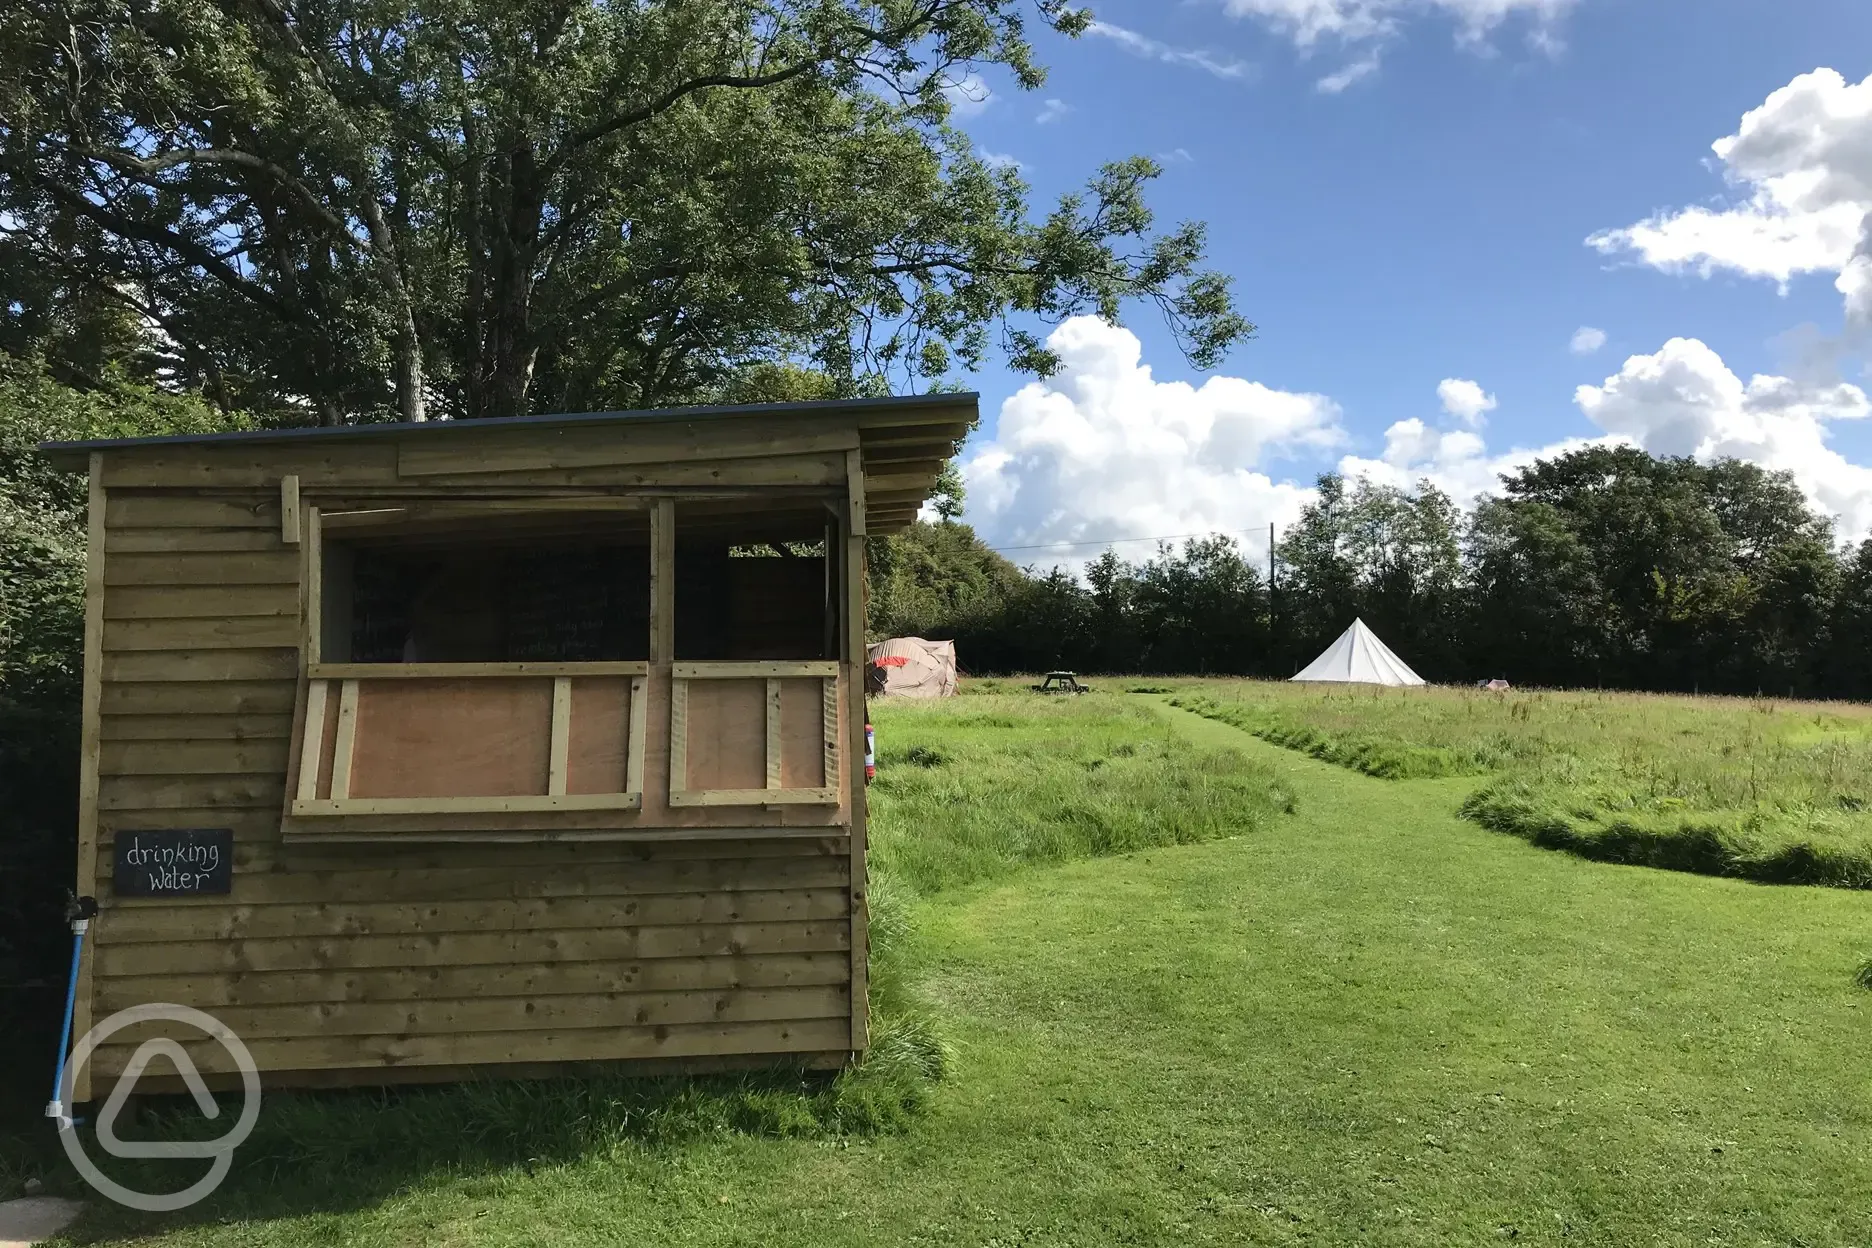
x,y
57,1107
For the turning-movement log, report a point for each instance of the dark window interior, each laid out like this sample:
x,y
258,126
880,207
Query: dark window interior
x,y
768,601
551,601
748,585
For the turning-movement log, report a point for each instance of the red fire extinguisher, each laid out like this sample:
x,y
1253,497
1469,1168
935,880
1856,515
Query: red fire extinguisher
x,y
870,752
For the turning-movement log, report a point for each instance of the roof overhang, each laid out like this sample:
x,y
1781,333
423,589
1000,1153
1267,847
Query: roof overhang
x,y
904,440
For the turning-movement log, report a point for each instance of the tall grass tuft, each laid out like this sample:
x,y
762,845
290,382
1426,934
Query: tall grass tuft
x,y
1750,788
1046,780
1385,758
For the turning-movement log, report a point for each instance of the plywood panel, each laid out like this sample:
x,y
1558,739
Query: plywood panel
x,y
727,734
157,923
239,632
259,567
209,992
802,734
477,948
600,735
428,738
593,1044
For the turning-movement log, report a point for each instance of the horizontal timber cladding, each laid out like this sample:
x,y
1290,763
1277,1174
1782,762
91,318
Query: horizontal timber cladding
x,y
233,726
206,568
188,541
208,699
476,1013
293,953
495,452
201,633
373,960
520,979
167,602
377,1055
144,924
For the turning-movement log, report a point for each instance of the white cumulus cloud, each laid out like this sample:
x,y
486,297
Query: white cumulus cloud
x,y
1104,450
1051,111
1457,462
1465,400
1802,163
1586,340
1684,400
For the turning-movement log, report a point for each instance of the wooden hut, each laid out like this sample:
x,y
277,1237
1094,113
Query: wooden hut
x,y
416,751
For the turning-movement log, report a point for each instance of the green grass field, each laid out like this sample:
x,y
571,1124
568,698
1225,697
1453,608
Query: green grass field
x,y
1757,788
1192,988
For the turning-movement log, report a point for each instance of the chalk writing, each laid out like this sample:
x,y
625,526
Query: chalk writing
x,y
173,862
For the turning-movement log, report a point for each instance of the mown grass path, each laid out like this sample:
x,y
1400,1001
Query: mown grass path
x,y
1371,1023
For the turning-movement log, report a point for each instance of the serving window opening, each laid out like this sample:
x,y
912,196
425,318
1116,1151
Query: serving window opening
x,y
755,586
479,661
755,688
573,591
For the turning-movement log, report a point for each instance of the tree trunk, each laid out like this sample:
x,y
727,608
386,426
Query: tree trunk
x,y
514,351
409,366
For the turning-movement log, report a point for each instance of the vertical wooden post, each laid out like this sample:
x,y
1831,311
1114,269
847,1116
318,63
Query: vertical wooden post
x,y
311,589
773,734
90,733
634,755
289,510
663,581
854,634
674,722
344,744
559,744
678,737
829,726
313,745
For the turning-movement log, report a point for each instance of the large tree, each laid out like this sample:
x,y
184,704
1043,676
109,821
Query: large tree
x,y
353,208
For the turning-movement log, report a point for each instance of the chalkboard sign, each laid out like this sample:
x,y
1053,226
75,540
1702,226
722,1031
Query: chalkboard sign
x,y
174,862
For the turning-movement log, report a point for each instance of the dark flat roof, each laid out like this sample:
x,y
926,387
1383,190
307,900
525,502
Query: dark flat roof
x,y
63,452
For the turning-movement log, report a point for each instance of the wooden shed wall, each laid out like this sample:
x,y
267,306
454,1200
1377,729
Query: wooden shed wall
x,y
361,961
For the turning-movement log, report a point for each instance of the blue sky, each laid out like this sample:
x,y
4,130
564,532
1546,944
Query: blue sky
x,y
1428,222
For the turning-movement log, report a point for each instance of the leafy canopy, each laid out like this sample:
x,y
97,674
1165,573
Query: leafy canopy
x,y
353,209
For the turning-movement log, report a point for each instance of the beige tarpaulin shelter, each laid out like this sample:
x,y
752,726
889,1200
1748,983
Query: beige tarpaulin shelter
x,y
1358,657
911,667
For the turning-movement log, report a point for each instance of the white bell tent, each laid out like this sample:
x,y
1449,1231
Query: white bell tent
x,y
1358,657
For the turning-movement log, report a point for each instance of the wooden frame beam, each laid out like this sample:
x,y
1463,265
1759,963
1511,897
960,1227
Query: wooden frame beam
x,y
469,671
289,510
559,745
755,669
90,747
